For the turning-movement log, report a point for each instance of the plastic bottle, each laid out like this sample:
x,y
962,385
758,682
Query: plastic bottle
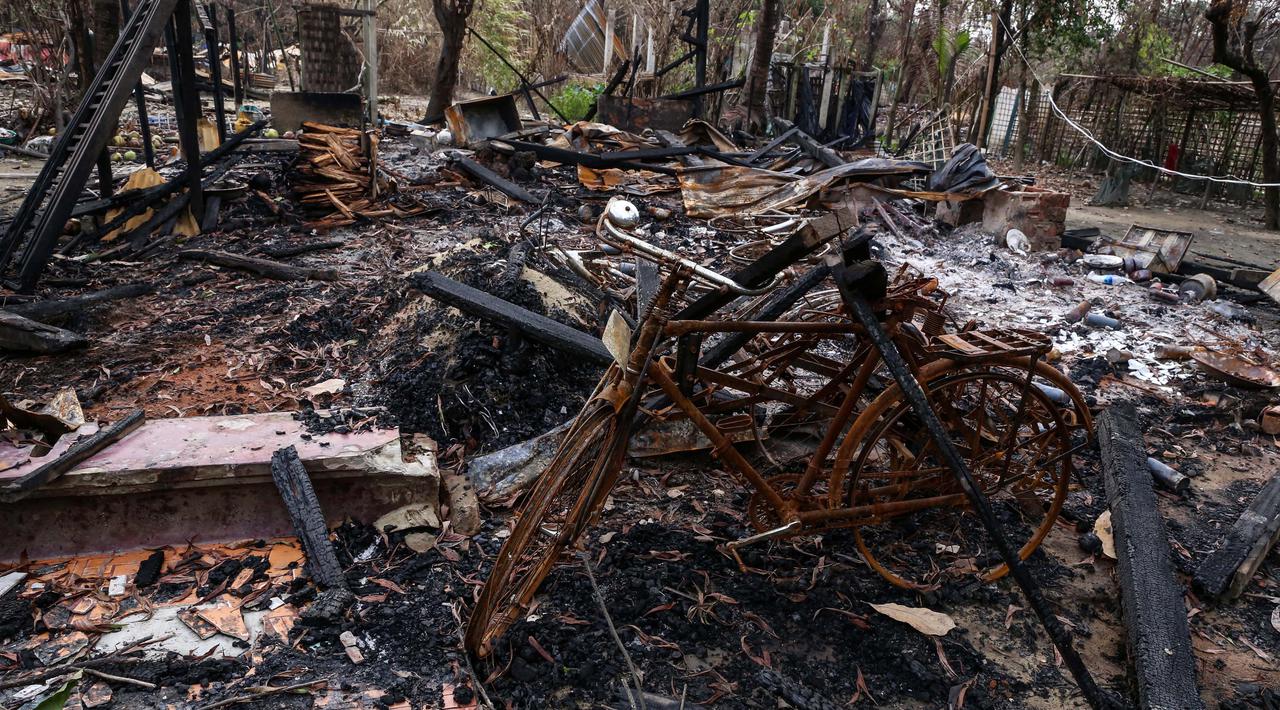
x,y
1109,279
1054,394
1062,281
1098,320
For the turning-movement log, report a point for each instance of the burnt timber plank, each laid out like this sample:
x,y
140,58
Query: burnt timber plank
x,y
77,453
501,184
308,520
492,308
19,334
50,312
813,148
648,279
1155,616
1228,569
262,267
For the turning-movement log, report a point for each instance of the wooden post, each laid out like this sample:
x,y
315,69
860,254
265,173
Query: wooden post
x,y
828,75
214,49
369,25
233,43
651,59
608,40
186,102
988,98
702,22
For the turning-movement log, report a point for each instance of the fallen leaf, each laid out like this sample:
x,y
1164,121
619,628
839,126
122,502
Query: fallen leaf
x,y
926,621
388,584
1102,528
1252,647
331,386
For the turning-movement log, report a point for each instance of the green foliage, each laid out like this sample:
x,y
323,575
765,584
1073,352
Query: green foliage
x,y
1066,27
1156,45
499,22
57,700
574,100
949,46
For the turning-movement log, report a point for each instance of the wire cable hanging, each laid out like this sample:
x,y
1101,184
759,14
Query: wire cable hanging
x,y
1225,179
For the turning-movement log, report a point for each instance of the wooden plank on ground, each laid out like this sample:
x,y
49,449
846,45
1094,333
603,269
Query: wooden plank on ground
x,y
262,267
79,451
503,185
490,307
1155,615
1229,568
18,334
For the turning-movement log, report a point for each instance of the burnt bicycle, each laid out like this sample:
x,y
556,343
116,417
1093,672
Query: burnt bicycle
x,y
875,468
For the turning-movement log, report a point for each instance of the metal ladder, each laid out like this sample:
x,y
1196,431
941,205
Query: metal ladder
x,y
33,234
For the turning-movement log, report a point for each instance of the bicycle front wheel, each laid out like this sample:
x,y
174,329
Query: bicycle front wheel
x,y
560,506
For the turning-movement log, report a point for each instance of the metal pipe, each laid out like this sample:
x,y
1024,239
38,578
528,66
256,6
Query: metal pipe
x,y
626,213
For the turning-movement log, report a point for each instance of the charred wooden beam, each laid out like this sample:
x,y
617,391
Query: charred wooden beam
x,y
1228,569
574,157
1155,615
296,249
813,148
262,267
77,453
496,181
702,91
530,324
760,271
772,145
50,312
308,519
19,334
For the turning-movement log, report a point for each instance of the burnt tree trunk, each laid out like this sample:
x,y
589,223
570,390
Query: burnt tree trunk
x,y
875,26
1237,54
452,16
106,28
758,74
904,62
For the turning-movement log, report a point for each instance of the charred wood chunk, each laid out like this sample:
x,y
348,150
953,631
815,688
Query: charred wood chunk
x,y
1155,615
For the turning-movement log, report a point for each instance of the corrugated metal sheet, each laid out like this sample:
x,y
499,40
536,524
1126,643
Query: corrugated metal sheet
x,y
583,42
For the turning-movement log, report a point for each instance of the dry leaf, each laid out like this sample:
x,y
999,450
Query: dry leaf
x,y
1102,528
926,621
332,386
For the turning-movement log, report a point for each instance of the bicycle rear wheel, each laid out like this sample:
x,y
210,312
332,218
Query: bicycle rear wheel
x,y
1017,453
562,503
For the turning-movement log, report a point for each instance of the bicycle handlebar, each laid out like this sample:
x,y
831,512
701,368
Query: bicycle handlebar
x,y
620,214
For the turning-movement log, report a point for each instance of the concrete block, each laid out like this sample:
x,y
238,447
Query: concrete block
x,y
1040,214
